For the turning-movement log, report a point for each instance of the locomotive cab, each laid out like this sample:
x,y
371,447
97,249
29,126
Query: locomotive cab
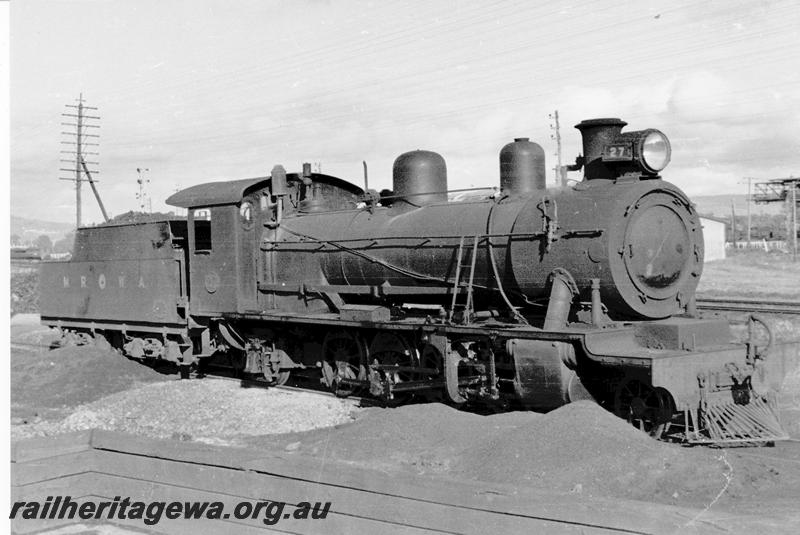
x,y
229,224
221,244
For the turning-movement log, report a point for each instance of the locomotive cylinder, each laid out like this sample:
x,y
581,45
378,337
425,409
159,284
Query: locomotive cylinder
x,y
419,178
522,168
596,134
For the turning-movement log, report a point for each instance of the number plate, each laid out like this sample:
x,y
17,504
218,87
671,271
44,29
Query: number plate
x,y
618,152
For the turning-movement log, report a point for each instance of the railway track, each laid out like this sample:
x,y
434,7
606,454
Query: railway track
x,y
749,305
295,385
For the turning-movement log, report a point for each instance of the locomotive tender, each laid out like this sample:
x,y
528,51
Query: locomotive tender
x,y
529,296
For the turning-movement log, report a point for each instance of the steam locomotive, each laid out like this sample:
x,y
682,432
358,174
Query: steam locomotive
x,y
525,296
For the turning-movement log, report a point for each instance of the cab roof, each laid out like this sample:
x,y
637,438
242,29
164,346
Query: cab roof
x,y
232,191
215,193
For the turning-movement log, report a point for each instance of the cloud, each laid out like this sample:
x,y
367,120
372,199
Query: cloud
x,y
725,128
698,97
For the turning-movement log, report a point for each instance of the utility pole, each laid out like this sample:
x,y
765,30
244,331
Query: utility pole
x,y
561,172
142,195
733,225
749,199
179,211
77,139
795,185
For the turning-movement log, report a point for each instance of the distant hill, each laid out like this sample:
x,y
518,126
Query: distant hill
x,y
720,205
30,229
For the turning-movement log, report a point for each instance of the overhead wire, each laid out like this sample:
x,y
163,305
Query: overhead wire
x,y
478,81
407,118
318,117
324,54
345,57
271,75
700,46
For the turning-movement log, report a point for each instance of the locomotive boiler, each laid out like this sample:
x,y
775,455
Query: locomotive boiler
x,y
519,296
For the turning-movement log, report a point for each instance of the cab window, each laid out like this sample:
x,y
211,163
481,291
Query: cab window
x,y
202,231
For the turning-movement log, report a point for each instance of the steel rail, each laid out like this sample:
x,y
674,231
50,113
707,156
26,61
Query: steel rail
x,y
749,305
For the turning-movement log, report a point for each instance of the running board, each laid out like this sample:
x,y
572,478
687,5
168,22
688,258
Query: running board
x,y
733,423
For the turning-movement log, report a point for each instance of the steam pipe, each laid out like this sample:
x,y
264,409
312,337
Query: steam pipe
x,y
562,292
597,304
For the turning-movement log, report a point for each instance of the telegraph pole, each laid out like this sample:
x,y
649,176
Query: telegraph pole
x,y
143,196
749,199
561,172
77,139
794,185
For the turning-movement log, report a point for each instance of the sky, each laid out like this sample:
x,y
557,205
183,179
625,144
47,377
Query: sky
x,y
203,90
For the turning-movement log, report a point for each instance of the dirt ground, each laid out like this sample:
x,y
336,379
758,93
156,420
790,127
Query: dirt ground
x,y
752,274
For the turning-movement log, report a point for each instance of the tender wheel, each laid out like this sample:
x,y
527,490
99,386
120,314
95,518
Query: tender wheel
x,y
345,358
84,339
646,408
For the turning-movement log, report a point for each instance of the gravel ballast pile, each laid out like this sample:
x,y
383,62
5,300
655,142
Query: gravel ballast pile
x,y
424,438
583,448
214,411
25,292
46,384
578,448
77,388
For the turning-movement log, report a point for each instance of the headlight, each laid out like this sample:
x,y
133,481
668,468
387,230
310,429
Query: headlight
x,y
649,150
655,151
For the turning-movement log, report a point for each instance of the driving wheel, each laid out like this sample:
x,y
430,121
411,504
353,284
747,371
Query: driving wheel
x,y
345,358
396,355
647,408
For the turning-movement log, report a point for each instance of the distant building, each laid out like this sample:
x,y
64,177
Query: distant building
x,y
25,253
714,237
